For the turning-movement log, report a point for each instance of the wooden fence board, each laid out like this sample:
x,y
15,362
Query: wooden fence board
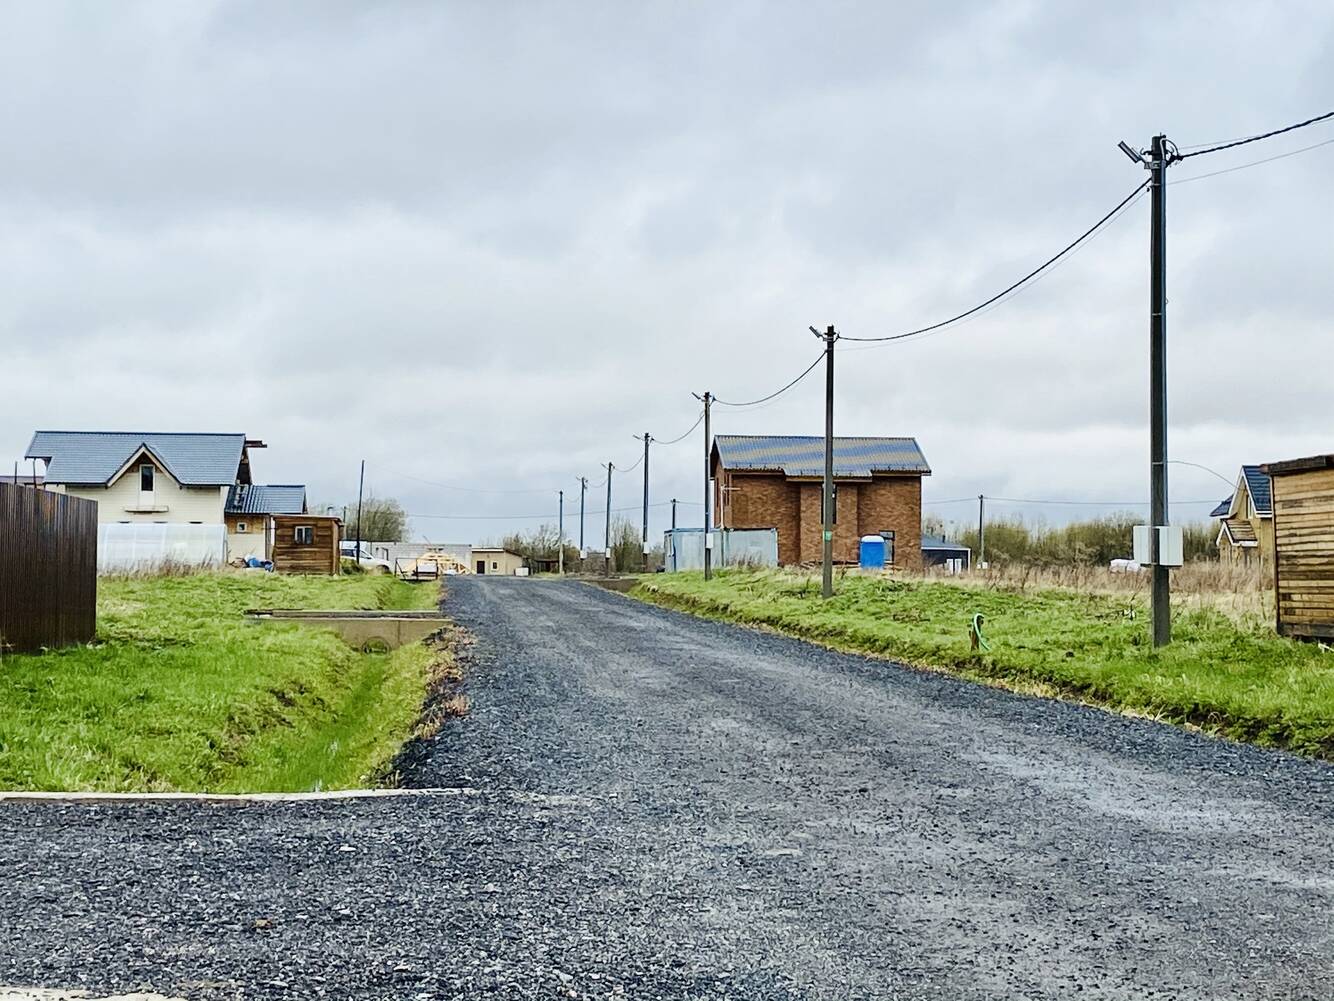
x,y
48,569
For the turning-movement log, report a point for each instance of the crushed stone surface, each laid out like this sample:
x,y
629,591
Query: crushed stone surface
x,y
658,806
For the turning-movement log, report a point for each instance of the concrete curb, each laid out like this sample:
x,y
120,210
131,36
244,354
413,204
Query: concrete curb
x,y
339,795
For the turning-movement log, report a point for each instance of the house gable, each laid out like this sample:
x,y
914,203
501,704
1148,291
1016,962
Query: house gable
x,y
96,458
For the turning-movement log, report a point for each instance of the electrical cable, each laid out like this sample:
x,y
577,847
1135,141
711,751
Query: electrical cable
x,y
682,437
1012,288
779,392
470,490
534,517
1253,163
1020,291
1091,503
1252,139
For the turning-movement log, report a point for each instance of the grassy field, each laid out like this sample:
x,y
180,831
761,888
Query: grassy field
x,y
181,692
1226,676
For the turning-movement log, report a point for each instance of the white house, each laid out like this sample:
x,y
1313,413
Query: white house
x,y
161,496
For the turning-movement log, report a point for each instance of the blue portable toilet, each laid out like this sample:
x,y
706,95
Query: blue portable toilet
x,y
872,554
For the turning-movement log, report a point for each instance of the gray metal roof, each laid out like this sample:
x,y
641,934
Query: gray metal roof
x,y
266,498
940,542
93,457
803,455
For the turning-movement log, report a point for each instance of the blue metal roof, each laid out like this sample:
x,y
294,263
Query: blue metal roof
x,y
1258,484
803,455
94,457
1224,506
262,498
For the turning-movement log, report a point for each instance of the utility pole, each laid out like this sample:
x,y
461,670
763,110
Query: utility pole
x,y
606,550
827,506
707,399
647,438
673,514
583,489
981,532
1156,160
361,484
1158,513
560,536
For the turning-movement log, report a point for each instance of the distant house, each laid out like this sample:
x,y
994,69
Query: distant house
x,y
250,511
21,479
167,495
495,560
1246,520
775,481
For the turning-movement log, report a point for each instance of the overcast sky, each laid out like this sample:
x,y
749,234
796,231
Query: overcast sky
x,y
483,244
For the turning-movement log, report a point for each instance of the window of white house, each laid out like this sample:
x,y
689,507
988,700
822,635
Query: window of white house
x,y
240,526
146,478
304,535
495,565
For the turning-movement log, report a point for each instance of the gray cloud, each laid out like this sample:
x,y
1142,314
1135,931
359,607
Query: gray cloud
x,y
483,244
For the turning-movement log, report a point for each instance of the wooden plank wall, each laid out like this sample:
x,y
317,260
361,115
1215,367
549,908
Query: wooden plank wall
x,y
1304,547
320,557
48,569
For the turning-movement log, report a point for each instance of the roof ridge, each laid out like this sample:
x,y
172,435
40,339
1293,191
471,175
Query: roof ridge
x,y
820,437
131,434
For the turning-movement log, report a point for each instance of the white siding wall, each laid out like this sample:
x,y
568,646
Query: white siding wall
x,y
183,504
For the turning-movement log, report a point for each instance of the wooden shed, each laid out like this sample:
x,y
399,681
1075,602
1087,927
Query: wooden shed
x,y
306,543
1303,505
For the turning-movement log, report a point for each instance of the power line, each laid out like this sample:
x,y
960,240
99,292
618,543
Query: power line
x,y
1256,138
1019,291
534,517
1022,281
470,490
1253,163
1090,503
682,437
764,399
1072,503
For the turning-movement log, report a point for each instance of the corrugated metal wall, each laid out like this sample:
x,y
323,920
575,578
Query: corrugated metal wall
x,y
48,569
683,548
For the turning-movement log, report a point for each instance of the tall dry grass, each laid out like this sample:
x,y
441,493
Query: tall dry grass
x,y
1243,593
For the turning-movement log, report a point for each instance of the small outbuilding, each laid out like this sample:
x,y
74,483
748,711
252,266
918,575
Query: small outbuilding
x,y
1303,517
938,551
307,543
496,560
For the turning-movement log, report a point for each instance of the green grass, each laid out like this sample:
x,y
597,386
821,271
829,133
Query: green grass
x,y
1241,681
181,692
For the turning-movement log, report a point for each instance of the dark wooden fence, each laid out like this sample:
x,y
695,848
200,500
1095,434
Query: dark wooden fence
x,y
48,569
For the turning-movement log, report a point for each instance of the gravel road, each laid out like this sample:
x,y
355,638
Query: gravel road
x,y
646,805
